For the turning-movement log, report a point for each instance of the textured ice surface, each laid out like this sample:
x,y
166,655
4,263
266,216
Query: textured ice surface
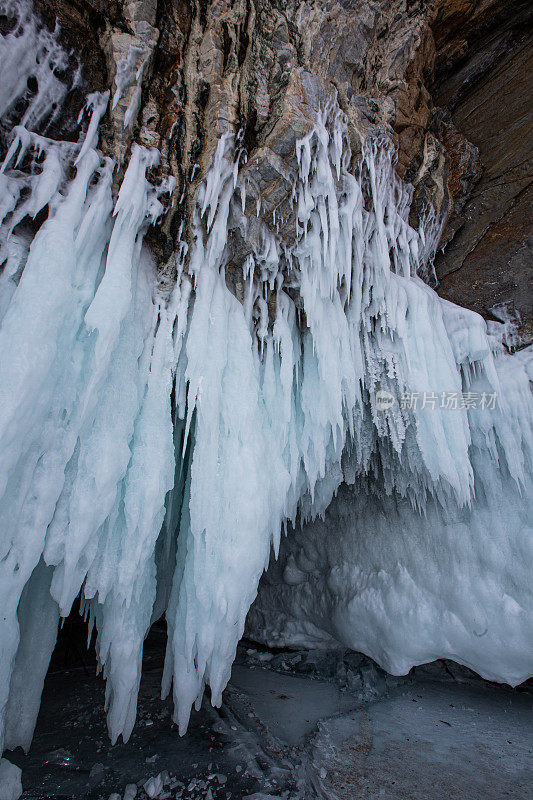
x,y
282,418
405,587
153,446
84,414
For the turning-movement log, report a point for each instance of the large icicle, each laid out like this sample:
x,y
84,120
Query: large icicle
x,y
74,428
86,359
406,587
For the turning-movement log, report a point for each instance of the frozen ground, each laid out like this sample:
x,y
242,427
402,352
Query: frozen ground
x,y
431,741
293,725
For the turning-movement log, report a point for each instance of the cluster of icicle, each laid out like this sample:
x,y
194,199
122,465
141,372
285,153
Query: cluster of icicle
x,y
86,440
153,447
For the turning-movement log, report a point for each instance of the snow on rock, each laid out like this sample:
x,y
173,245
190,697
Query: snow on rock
x,y
10,780
27,51
153,447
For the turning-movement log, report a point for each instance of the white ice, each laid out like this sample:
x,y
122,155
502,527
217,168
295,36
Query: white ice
x,y
280,418
85,366
10,780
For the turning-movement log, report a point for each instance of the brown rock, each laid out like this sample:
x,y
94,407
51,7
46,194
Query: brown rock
x,y
487,259
445,80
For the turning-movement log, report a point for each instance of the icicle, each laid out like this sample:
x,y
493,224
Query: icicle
x,y
86,364
372,330
30,51
97,104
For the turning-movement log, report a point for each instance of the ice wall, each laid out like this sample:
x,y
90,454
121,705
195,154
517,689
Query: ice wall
x,y
154,446
407,586
341,365
85,373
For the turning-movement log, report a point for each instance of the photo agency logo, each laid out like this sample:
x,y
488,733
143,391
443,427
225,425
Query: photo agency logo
x,y
384,400
451,401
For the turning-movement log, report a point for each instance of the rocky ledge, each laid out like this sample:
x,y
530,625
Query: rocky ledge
x,y
448,82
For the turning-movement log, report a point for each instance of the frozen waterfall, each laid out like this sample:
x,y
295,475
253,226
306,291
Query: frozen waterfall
x,y
155,443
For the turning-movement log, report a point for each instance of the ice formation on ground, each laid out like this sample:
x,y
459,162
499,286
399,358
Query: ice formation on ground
x,y
153,446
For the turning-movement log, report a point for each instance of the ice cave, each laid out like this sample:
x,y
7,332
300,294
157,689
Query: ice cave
x,y
234,401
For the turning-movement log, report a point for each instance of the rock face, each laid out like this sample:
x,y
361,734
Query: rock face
x,y
485,83
446,81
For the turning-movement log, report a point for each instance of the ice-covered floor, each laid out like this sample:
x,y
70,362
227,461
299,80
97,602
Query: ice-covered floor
x,y
290,706
431,741
297,726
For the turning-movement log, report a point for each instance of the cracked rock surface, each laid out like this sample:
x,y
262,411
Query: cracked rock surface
x,y
446,81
